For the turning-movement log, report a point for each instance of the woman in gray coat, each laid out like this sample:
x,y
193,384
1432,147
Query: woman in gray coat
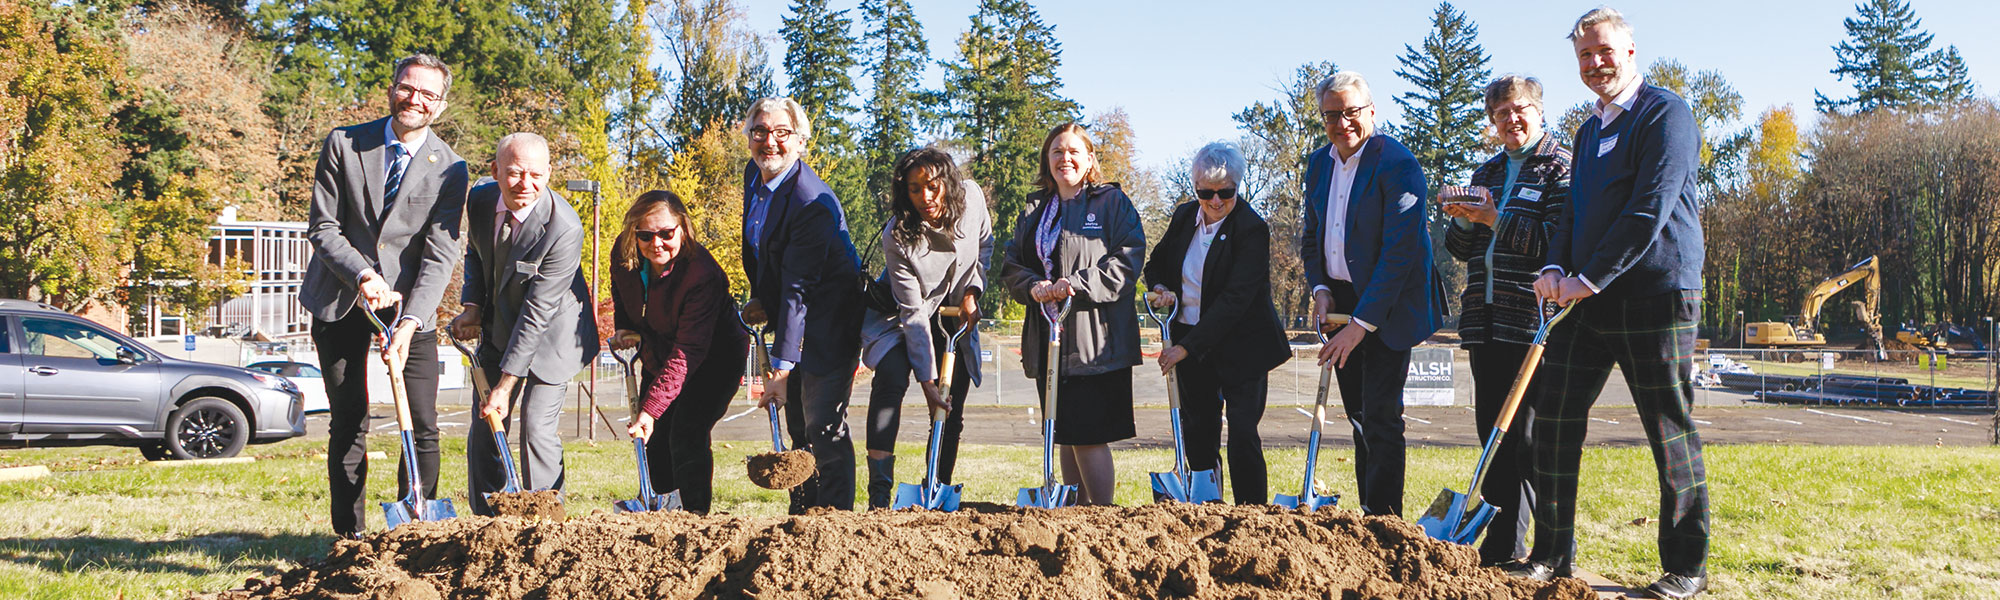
x,y
1080,240
937,246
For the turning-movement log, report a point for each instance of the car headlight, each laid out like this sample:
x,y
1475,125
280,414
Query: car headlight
x,y
275,382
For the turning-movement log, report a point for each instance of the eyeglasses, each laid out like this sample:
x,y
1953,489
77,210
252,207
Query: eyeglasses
x,y
647,237
429,97
761,134
1224,193
1350,114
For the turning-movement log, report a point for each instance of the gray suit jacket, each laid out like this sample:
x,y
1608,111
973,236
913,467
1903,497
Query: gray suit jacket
x,y
533,299
413,248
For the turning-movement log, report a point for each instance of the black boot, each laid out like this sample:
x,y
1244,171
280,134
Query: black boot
x,y
881,481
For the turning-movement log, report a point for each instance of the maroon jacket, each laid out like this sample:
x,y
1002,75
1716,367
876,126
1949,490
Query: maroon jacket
x,y
685,321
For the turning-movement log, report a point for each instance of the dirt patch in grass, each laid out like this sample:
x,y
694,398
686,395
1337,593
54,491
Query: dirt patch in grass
x,y
983,551
781,470
544,505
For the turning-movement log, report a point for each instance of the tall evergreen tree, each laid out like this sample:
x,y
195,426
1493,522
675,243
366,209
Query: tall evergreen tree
x,y
896,53
1444,115
819,51
1888,56
1003,96
718,65
1953,80
1446,112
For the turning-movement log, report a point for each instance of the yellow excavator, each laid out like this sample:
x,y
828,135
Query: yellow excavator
x,y
1801,331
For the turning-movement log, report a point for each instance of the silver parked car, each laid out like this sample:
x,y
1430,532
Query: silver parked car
x,y
66,381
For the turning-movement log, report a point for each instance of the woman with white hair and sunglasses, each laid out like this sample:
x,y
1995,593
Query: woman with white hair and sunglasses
x,y
1214,262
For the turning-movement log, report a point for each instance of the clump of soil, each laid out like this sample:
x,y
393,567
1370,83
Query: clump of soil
x,y
782,470
1159,551
545,505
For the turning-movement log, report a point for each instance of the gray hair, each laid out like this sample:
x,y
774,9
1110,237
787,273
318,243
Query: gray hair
x,y
1509,87
1602,15
521,137
1341,82
801,124
1219,160
422,60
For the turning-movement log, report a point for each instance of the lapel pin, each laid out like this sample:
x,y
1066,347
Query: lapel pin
x,y
1225,237
433,158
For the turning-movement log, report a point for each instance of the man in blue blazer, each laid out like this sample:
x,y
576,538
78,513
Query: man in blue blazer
x,y
1367,253
803,273
1628,253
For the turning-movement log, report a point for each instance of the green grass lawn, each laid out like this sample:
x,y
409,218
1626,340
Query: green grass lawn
x,y
1789,521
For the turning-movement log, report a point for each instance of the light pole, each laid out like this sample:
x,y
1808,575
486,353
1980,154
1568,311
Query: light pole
x,y
596,216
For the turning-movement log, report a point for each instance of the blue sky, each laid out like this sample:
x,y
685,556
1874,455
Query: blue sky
x,y
1182,68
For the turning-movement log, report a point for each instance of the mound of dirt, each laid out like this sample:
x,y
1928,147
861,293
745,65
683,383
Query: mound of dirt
x,y
544,505
782,470
982,551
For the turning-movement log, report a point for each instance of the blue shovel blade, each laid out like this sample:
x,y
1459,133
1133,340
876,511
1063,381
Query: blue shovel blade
x,y
908,495
1056,496
667,501
1449,520
1308,501
407,511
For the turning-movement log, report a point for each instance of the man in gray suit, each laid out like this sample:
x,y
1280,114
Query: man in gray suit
x,y
386,200
524,291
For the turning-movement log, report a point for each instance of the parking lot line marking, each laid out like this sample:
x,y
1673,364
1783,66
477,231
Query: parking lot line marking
x,y
739,415
1863,419
1958,421
1783,420
1702,422
1410,418
1604,420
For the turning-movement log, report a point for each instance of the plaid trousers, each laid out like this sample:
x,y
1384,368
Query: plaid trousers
x,y
1651,340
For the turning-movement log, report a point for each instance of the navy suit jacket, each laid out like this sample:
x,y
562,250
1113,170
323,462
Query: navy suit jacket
x,y
805,267
1388,244
1633,225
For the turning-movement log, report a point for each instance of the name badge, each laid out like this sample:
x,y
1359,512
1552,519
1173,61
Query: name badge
x,y
1530,194
1605,145
1090,222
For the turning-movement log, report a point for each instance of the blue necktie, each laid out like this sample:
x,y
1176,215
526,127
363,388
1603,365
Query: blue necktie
x,y
399,162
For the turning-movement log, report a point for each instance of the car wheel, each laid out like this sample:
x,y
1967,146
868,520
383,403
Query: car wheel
x,y
207,428
154,452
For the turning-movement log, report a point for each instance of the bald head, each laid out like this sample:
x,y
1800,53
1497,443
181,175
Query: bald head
x,y
521,166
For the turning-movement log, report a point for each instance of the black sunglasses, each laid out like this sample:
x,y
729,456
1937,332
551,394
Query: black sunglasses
x,y
1224,193
646,237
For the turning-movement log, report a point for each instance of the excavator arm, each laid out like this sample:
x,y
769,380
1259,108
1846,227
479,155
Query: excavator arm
x,y
1865,270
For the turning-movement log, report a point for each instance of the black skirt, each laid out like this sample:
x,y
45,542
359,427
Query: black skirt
x,y
1093,409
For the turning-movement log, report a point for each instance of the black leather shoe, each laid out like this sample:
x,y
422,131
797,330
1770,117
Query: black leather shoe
x,y
1537,570
1675,586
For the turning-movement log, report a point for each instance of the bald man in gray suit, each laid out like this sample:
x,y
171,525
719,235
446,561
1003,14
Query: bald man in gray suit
x,y
524,290
386,200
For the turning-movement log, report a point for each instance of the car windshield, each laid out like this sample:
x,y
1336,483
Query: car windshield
x,y
52,337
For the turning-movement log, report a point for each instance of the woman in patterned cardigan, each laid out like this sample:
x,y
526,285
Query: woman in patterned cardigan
x,y
1503,237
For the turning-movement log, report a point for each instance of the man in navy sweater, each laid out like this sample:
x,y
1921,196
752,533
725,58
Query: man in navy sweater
x,y
1628,253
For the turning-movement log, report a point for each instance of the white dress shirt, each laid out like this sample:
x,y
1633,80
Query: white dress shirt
x,y
1333,240
1192,264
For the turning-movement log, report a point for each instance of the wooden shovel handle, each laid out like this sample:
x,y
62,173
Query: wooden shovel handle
x,y
1520,388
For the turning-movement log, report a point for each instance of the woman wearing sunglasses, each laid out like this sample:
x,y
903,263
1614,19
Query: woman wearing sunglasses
x,y
937,247
1214,262
671,298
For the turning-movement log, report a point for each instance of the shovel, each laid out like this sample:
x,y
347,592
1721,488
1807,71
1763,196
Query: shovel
x,y
1308,498
481,387
780,469
1050,494
1182,485
411,507
932,494
647,500
1458,518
